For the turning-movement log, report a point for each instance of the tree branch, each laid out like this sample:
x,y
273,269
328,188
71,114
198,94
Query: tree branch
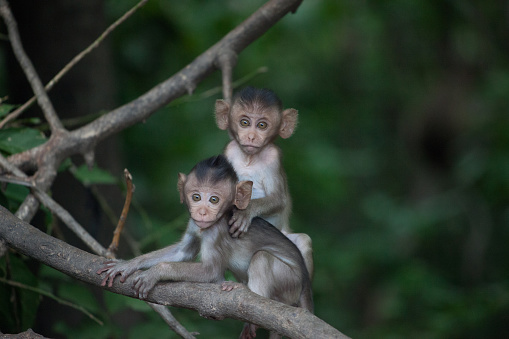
x,y
207,299
73,62
28,68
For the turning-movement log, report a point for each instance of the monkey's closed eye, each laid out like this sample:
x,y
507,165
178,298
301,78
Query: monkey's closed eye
x,y
196,197
262,125
244,123
213,199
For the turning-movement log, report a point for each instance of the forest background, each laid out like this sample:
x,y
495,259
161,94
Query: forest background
x,y
399,168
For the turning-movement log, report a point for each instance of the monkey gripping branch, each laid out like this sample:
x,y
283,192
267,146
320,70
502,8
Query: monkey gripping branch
x,y
44,160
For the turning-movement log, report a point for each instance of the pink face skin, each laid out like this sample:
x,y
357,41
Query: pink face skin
x,y
207,203
254,129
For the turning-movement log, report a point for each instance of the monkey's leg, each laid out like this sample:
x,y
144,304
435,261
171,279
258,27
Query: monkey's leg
x,y
261,281
305,246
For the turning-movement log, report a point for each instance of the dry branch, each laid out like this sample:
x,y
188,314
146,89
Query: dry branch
x,y
112,249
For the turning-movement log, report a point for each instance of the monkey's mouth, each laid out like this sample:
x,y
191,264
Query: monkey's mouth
x,y
204,224
250,148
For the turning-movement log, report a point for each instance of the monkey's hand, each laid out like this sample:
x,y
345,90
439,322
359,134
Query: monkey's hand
x,y
240,222
144,282
117,267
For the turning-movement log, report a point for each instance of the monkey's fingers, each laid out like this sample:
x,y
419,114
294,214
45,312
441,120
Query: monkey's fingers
x,y
141,289
110,277
103,282
136,287
101,270
234,229
241,228
107,265
232,220
236,234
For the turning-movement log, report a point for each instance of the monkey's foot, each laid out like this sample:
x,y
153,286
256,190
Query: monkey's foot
x,y
229,285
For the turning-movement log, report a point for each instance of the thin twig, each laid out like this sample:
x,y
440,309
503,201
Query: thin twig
x,y
121,221
28,68
52,296
165,313
11,168
73,62
68,219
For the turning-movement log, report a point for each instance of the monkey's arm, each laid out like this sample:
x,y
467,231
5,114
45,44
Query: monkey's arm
x,y
276,201
186,249
175,271
211,269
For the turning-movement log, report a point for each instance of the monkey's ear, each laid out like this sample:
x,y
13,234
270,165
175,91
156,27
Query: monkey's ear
x,y
288,123
243,194
180,186
222,111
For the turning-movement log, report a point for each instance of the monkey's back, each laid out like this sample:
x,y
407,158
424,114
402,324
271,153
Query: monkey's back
x,y
287,279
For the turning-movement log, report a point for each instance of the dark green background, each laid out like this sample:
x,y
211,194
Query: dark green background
x,y
398,170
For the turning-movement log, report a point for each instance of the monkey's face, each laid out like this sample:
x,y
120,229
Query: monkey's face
x,y
207,202
254,129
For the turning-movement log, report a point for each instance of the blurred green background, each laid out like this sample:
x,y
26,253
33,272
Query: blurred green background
x,y
399,168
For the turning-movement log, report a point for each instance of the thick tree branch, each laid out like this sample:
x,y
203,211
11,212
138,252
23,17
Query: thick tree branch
x,y
207,299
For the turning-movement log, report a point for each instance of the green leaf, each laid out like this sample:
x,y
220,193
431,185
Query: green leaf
x,y
27,302
5,109
13,195
15,140
93,176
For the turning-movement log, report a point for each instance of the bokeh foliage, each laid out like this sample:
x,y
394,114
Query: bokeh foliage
x,y
399,169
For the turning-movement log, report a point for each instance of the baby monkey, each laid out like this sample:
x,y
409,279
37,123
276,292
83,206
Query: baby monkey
x,y
254,121
212,192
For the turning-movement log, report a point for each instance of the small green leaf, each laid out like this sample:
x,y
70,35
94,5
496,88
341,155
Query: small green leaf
x,y
16,193
5,109
94,176
15,140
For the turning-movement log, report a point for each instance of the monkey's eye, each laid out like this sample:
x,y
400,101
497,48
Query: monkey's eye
x,y
213,199
196,197
244,123
262,125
